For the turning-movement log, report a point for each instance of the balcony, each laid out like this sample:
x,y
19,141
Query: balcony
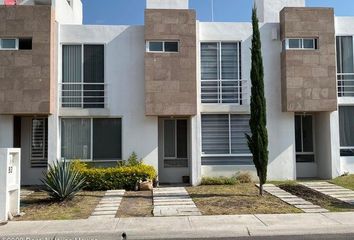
x,y
83,95
225,92
345,84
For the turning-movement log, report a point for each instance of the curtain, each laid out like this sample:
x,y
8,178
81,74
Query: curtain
x,y
71,71
76,138
346,126
215,134
107,139
239,127
209,61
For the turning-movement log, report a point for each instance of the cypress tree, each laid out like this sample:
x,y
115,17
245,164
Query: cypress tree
x,y
258,141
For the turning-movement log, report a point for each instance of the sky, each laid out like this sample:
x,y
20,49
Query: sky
x,y
131,12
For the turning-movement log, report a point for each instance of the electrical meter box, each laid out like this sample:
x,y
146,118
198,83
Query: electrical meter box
x,y
10,182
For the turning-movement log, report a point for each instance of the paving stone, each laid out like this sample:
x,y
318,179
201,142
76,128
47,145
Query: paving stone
x,y
173,202
332,190
293,200
104,213
109,204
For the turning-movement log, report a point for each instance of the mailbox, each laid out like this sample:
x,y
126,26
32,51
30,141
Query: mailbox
x,y
10,182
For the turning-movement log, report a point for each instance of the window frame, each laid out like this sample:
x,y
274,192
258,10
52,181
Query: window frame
x,y
314,40
302,153
230,154
220,79
82,45
147,46
91,139
45,141
9,49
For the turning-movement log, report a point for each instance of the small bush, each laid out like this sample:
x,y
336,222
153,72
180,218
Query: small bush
x,y
63,181
120,177
244,177
219,181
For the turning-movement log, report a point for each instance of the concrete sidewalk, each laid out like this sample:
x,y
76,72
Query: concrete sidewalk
x,y
192,227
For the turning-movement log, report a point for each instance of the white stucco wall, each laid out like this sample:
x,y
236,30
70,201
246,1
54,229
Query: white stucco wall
x,y
280,125
124,76
167,4
6,131
268,10
66,14
344,25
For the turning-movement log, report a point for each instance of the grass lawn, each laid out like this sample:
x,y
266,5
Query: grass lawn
x,y
38,206
317,198
345,181
136,204
236,199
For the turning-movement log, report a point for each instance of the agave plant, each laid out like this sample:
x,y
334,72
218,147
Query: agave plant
x,y
63,181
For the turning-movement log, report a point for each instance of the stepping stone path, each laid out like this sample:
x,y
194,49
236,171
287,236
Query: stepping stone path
x,y
293,200
109,204
334,191
173,201
24,193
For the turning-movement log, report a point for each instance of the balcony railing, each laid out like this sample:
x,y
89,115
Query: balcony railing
x,y
345,84
225,91
83,95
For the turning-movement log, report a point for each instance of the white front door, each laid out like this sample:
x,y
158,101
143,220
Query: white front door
x,y
173,157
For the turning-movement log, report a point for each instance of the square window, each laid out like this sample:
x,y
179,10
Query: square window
x,y
171,46
155,46
8,43
294,43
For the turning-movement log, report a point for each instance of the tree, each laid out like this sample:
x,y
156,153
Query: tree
x,y
258,141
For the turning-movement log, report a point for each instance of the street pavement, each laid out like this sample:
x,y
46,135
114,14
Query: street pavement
x,y
273,226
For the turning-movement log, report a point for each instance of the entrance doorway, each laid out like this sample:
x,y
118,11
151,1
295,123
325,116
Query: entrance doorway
x,y
174,151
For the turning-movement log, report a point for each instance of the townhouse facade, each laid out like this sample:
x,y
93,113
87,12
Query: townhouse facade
x,y
176,91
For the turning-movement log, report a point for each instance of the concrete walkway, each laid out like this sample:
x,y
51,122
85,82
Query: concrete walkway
x,y
173,201
188,227
109,204
293,200
331,190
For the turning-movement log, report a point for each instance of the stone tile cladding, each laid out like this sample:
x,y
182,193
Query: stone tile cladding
x,y
27,77
309,76
170,78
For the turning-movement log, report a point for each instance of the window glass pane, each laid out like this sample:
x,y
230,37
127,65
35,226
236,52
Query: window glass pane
x,y
76,138
93,73
215,134
298,141
107,139
309,43
71,64
346,126
240,127
346,61
25,43
169,138
209,61
307,133
294,43
155,46
182,146
229,61
8,43
171,46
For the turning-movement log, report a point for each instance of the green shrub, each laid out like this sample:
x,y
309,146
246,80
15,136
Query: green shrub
x,y
244,177
120,177
219,181
63,181
132,161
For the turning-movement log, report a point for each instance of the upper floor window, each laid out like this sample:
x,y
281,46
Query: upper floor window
x,y
8,44
345,66
301,43
16,44
221,73
162,46
83,76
